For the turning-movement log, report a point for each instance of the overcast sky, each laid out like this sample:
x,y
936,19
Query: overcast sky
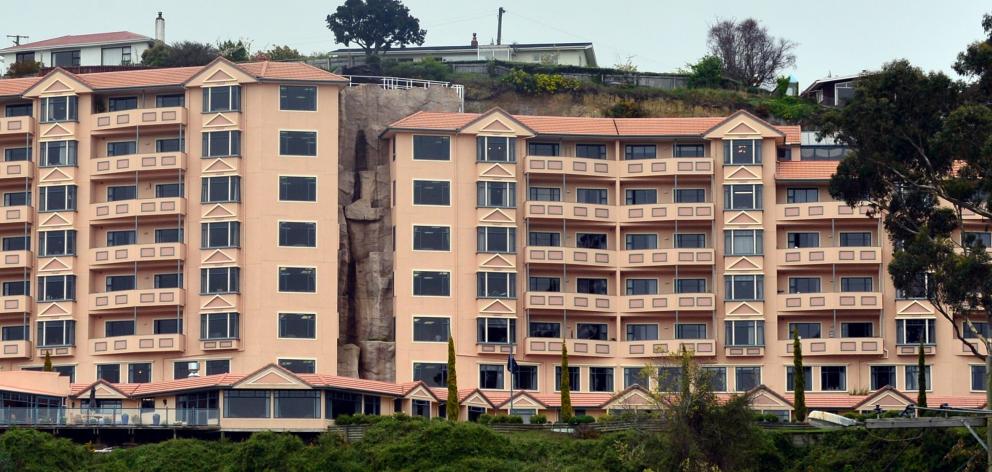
x,y
835,37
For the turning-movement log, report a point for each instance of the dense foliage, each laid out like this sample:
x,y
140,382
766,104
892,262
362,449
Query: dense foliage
x,y
179,54
375,25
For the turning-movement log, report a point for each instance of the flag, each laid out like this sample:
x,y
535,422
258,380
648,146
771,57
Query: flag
x,y
511,364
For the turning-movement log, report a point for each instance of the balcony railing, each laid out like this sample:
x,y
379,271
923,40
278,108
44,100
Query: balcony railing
x,y
830,301
19,214
139,117
575,166
667,302
837,346
55,351
16,259
576,347
139,207
744,351
569,301
16,125
140,298
666,257
15,349
796,212
15,304
584,212
666,212
682,166
139,343
111,417
800,258
109,167
16,170
220,344
570,255
158,252
658,348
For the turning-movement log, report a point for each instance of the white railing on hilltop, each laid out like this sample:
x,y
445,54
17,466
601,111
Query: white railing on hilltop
x,y
403,83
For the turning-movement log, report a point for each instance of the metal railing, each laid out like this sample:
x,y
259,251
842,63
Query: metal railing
x,y
403,83
110,417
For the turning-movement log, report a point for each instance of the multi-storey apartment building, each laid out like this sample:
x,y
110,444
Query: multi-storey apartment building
x,y
625,240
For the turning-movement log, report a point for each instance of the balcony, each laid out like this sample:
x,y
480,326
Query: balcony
x,y
16,259
803,212
802,258
583,212
141,298
220,344
134,208
660,348
144,117
160,252
572,166
20,214
15,304
138,344
109,167
837,347
682,166
830,301
569,301
569,255
914,349
667,302
16,170
576,347
666,212
966,351
55,351
493,348
744,351
16,126
15,350
652,258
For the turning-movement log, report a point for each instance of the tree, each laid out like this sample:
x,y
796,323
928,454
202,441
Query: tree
x,y
235,51
749,55
48,362
375,25
566,388
179,54
921,377
707,73
452,408
976,61
798,378
278,53
23,69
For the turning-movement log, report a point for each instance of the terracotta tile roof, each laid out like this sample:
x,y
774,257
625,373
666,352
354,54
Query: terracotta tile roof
x,y
138,78
432,120
74,39
665,126
569,125
963,401
289,71
349,383
16,87
793,134
805,170
833,401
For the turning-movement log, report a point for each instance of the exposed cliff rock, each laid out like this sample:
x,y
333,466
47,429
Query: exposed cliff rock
x,y
366,346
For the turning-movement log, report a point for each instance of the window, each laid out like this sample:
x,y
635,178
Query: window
x,y
544,194
297,189
747,378
590,151
882,376
638,242
690,195
116,56
982,239
227,98
978,380
170,100
139,372
296,403
220,280
17,154
65,58
491,376
641,287
689,150
921,288
635,376
741,152
170,145
801,240
525,378
717,377
56,333
591,286
297,234
431,329
298,325
822,153
591,196
16,198
17,287
167,326
496,285
433,374
219,326
298,143
977,328
690,286
121,192
600,379
744,287
690,240
17,243
298,279
543,149
246,404
59,153
745,332
855,284
912,377
431,192
856,330
544,284
640,196
496,239
169,190
538,329
642,332
690,331
55,109
595,331
544,239
669,379
802,195
431,283
421,408
590,240
496,330
109,372
56,288
14,333
117,283
915,331
574,378
122,104
790,378
862,239
804,285
220,234
222,143
431,148
496,194
496,149
297,98
805,330
121,238
18,109
639,151
299,366
742,197
221,189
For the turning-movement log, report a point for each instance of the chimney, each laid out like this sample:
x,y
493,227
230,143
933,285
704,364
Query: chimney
x,y
475,41
160,28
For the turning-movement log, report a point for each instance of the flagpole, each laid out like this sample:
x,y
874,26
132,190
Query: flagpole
x,y
512,374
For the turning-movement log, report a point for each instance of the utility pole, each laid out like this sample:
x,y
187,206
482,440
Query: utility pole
x,y
499,27
17,37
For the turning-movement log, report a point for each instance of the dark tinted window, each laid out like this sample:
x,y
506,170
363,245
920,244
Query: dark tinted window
x,y
299,98
431,148
297,234
297,279
297,189
298,143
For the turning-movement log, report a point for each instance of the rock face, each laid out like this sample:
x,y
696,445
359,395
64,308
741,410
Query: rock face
x,y
366,347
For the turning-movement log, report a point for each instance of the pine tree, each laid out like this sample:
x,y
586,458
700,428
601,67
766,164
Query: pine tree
x,y
921,377
48,362
566,394
452,407
798,378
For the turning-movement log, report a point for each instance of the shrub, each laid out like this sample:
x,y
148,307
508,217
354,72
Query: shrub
x,y
855,416
23,69
427,69
581,419
707,73
625,108
540,84
506,419
28,450
174,455
538,419
348,420
267,451
485,418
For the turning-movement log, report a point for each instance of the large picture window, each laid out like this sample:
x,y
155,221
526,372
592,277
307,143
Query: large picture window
x,y
57,198
298,279
220,280
246,404
297,98
55,109
431,238
431,329
496,239
297,189
431,283
219,99
742,197
221,143
497,284
431,192
431,148
60,153
744,287
496,194
298,143
219,326
742,152
496,149
221,189
298,325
